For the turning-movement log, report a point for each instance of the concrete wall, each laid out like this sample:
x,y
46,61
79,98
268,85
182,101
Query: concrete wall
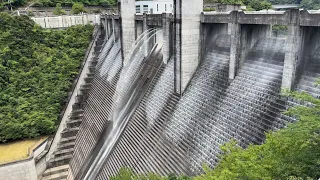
x,y
127,26
139,28
293,50
249,36
67,21
24,169
188,40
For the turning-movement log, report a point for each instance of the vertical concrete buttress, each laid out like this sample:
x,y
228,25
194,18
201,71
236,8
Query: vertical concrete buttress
x,y
145,28
292,50
166,37
127,26
187,22
235,48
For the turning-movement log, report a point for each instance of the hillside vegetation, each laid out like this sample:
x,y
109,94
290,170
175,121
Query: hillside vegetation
x,y
53,3
37,68
266,4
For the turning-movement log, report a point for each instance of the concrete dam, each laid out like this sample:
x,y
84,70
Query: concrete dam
x,y
163,92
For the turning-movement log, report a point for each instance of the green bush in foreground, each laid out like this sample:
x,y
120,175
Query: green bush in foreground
x,y
291,153
37,69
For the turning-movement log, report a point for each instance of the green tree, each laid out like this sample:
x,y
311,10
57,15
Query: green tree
x,y
258,5
37,68
58,10
310,4
78,8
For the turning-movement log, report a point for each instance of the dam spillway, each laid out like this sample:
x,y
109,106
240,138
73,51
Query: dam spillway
x,y
141,113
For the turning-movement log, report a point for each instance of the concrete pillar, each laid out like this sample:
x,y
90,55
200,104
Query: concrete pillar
x,y
292,50
105,24
166,37
145,27
113,22
187,22
127,10
139,29
235,49
109,22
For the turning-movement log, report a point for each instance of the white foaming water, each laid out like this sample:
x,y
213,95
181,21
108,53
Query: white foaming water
x,y
115,68
160,94
110,58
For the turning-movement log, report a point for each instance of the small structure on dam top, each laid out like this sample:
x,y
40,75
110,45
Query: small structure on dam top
x,y
164,91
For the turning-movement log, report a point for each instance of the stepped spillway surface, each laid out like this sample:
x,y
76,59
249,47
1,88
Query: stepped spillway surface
x,y
168,134
99,105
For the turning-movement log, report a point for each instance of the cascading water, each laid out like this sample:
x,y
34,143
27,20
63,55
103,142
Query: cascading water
x,y
98,109
131,69
311,74
123,98
212,112
142,146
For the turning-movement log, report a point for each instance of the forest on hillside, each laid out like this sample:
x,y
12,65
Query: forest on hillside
x,y
4,5
260,4
37,69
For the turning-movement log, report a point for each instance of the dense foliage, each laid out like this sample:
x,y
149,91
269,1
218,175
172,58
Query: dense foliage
x,y
58,10
37,68
310,4
78,8
251,4
290,153
284,1
52,3
267,4
5,5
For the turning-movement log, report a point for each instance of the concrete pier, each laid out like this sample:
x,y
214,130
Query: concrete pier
x,y
292,52
188,36
127,26
235,49
166,37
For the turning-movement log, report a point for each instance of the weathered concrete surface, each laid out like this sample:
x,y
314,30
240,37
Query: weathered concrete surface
x,y
127,24
250,35
235,46
67,21
166,30
292,50
23,170
309,18
306,18
139,29
188,14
